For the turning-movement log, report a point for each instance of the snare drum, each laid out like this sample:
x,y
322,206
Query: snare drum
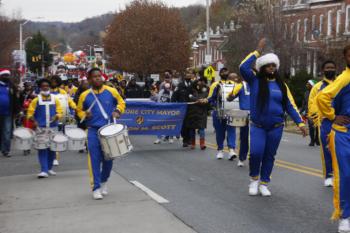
x,y
58,142
76,138
42,139
114,139
23,138
237,118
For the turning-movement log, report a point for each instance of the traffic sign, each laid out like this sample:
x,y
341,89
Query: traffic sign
x,y
209,73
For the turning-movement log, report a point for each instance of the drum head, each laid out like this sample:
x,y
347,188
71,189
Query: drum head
x,y
59,138
112,130
23,133
75,133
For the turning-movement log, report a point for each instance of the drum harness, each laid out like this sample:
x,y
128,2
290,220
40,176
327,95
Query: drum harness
x,y
47,107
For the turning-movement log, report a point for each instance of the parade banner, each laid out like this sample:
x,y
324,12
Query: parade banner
x,y
151,118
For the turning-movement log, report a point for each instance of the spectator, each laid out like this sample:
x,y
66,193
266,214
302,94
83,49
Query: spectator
x,y
147,88
9,107
133,90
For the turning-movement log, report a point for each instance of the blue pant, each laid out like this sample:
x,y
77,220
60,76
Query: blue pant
x,y
263,148
340,148
46,158
5,133
221,127
326,157
96,159
244,143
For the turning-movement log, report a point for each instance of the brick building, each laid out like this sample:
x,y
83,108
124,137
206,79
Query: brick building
x,y
318,29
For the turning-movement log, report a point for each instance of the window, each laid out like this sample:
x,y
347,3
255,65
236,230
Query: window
x,y
347,19
329,23
338,22
292,31
321,24
306,21
313,26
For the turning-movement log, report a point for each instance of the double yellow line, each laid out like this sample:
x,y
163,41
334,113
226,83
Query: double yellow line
x,y
287,165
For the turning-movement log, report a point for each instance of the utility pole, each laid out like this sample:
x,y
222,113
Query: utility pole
x,y
42,59
208,54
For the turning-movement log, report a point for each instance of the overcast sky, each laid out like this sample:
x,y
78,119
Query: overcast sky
x,y
71,10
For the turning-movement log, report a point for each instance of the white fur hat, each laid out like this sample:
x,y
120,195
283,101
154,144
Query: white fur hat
x,y
269,58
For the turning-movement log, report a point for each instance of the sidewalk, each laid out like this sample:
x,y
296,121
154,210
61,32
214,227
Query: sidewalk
x,y
64,204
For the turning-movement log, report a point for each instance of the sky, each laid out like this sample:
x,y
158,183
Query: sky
x,y
71,10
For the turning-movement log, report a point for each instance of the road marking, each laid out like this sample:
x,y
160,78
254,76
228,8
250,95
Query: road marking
x,y
149,192
288,165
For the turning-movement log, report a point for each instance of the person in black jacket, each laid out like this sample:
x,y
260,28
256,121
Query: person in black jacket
x,y
183,94
9,108
133,90
197,114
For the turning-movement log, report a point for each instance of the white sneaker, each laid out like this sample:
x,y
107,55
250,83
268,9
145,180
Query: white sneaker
x,y
254,187
328,182
240,163
232,154
171,141
220,154
97,195
264,190
52,173
55,162
157,141
43,175
104,190
344,226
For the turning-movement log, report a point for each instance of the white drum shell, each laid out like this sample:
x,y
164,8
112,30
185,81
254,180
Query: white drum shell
x,y
23,143
76,143
226,89
237,118
58,146
115,145
41,142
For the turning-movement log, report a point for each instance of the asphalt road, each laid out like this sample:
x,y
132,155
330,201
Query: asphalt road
x,y
210,195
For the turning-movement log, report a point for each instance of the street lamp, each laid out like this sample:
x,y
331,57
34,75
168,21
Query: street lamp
x,y
208,56
24,42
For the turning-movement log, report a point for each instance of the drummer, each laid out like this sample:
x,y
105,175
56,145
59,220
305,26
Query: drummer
x,y
45,111
97,116
56,82
242,91
221,125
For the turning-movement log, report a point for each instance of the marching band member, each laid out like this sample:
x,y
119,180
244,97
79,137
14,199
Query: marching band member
x,y
70,88
105,103
45,111
221,125
270,100
329,69
56,82
334,106
242,91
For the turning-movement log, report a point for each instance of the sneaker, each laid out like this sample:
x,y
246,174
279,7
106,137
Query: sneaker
x,y
328,182
232,154
344,226
6,154
52,173
171,141
240,163
43,175
220,155
312,144
157,141
55,162
97,195
265,192
254,187
104,190
184,145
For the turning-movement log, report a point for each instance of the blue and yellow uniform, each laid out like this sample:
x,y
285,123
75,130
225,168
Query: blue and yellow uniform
x,y
111,101
242,91
324,127
60,91
71,91
334,101
267,124
221,125
38,111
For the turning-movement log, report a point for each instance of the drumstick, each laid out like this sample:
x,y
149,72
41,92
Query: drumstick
x,y
88,110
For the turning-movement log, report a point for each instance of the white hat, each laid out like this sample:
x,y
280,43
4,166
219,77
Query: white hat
x,y
269,58
5,71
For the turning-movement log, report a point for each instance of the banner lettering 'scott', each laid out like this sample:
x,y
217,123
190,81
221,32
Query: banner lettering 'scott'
x,y
150,118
